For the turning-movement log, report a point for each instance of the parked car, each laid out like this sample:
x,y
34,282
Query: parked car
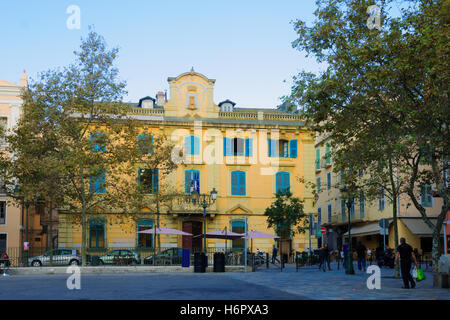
x,y
120,256
174,255
60,257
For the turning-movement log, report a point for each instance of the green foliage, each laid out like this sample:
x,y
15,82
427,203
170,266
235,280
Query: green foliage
x,y
286,214
383,98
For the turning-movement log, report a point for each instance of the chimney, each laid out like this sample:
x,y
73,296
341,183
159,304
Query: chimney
x,y
160,98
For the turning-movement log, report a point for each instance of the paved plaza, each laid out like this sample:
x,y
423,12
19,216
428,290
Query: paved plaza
x,y
264,284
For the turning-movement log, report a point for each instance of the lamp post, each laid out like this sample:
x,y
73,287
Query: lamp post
x,y
348,197
205,200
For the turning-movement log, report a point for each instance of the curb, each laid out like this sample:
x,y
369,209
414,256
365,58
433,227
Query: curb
x,y
125,269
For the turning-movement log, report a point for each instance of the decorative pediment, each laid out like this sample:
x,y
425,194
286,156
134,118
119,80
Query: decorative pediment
x,y
239,209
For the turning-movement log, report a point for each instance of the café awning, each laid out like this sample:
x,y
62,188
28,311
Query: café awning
x,y
418,227
365,230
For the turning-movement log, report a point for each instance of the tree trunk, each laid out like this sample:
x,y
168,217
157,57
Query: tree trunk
x,y
436,246
395,196
50,231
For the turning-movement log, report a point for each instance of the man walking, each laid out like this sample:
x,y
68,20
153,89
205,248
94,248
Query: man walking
x,y
324,255
406,254
361,252
274,254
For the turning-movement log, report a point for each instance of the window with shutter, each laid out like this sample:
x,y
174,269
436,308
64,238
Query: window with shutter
x,y
192,145
98,142
329,213
426,197
144,240
97,182
96,233
238,183
148,180
145,143
282,182
192,181
293,148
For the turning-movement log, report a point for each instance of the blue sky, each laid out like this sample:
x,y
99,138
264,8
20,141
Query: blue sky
x,y
245,45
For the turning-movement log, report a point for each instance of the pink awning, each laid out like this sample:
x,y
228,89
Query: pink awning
x,y
260,235
221,234
165,230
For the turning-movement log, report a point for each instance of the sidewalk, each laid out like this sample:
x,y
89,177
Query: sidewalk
x,y
336,285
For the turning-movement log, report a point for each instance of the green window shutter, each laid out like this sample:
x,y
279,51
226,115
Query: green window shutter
x,y
293,148
318,185
327,153
317,159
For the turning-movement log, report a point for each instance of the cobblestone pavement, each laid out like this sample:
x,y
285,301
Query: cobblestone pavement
x,y
264,284
138,286
336,285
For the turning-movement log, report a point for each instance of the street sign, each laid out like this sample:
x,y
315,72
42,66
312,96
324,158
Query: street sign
x,y
323,230
384,223
384,232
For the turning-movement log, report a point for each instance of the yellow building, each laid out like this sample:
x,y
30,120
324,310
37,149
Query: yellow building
x,y
365,216
11,226
245,154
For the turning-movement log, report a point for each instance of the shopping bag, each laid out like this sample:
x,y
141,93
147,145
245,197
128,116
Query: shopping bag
x,y
420,275
414,272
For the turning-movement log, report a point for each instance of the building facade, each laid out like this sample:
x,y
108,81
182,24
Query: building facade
x,y
11,227
364,215
245,154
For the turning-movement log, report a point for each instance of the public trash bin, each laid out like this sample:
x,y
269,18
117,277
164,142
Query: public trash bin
x,y
95,260
185,258
199,262
219,262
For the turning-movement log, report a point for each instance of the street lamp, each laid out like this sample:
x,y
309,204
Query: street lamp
x,y
347,194
19,195
204,200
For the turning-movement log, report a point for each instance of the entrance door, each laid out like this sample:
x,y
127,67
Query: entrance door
x,y
189,242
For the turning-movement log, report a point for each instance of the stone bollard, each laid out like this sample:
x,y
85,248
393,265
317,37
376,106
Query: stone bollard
x,y
440,279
